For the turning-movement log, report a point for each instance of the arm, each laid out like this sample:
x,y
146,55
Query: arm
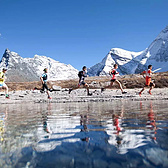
x,y
110,72
41,80
85,74
1,76
143,74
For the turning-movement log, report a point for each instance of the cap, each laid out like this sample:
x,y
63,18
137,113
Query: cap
x,y
4,69
45,69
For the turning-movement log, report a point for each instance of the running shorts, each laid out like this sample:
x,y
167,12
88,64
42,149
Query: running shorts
x,y
113,80
45,86
2,84
81,83
150,84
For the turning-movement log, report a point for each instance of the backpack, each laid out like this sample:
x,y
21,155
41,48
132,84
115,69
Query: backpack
x,y
80,74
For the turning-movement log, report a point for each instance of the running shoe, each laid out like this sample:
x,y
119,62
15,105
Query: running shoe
x,y
49,98
140,94
70,91
7,97
42,91
89,94
150,92
124,92
50,90
102,90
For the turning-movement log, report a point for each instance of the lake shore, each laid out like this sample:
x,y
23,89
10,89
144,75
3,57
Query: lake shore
x,y
80,95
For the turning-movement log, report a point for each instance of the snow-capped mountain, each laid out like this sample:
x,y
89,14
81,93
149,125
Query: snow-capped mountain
x,y
30,69
127,61
157,52
134,62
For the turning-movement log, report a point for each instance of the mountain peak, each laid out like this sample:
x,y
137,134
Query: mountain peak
x,y
130,62
30,69
5,58
165,30
163,35
7,50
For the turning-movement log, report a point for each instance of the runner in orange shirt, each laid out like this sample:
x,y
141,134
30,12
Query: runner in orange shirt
x,y
149,82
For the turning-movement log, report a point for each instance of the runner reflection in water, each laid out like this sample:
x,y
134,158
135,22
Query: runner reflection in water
x,y
3,117
117,123
45,119
151,124
83,123
45,127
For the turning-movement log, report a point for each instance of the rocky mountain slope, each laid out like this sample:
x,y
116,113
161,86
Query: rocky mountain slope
x,y
30,69
135,62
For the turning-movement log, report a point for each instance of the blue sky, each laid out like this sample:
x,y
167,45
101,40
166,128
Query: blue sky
x,y
79,32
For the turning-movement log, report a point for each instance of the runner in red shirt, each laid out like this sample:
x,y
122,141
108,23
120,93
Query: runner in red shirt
x,y
149,82
113,73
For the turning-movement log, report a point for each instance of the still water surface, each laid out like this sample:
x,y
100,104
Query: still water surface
x,y
128,134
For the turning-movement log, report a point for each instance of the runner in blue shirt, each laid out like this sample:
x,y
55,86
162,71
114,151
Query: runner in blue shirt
x,y
43,79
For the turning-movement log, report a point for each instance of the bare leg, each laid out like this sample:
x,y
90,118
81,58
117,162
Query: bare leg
x,y
6,89
77,87
141,91
119,84
109,86
151,87
87,87
74,88
48,93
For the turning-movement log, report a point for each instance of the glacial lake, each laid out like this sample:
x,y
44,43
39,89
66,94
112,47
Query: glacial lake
x,y
118,134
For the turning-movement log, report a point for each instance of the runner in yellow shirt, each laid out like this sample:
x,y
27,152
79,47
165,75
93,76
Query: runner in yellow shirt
x,y
2,82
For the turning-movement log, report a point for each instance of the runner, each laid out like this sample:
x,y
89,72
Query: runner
x,y
149,83
2,82
82,74
113,73
151,123
43,79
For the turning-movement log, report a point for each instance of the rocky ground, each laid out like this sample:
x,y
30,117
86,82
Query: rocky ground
x,y
128,81
80,95
23,91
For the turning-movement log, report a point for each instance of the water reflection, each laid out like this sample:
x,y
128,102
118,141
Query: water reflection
x,y
151,123
83,123
2,125
109,134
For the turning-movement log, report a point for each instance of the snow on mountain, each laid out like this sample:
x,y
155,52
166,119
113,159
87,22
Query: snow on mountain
x,y
103,67
157,53
134,62
30,69
127,61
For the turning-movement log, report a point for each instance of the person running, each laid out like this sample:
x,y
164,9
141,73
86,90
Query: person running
x,y
149,83
82,74
113,74
2,82
43,79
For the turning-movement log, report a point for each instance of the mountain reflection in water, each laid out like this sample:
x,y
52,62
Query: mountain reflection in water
x,y
106,134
